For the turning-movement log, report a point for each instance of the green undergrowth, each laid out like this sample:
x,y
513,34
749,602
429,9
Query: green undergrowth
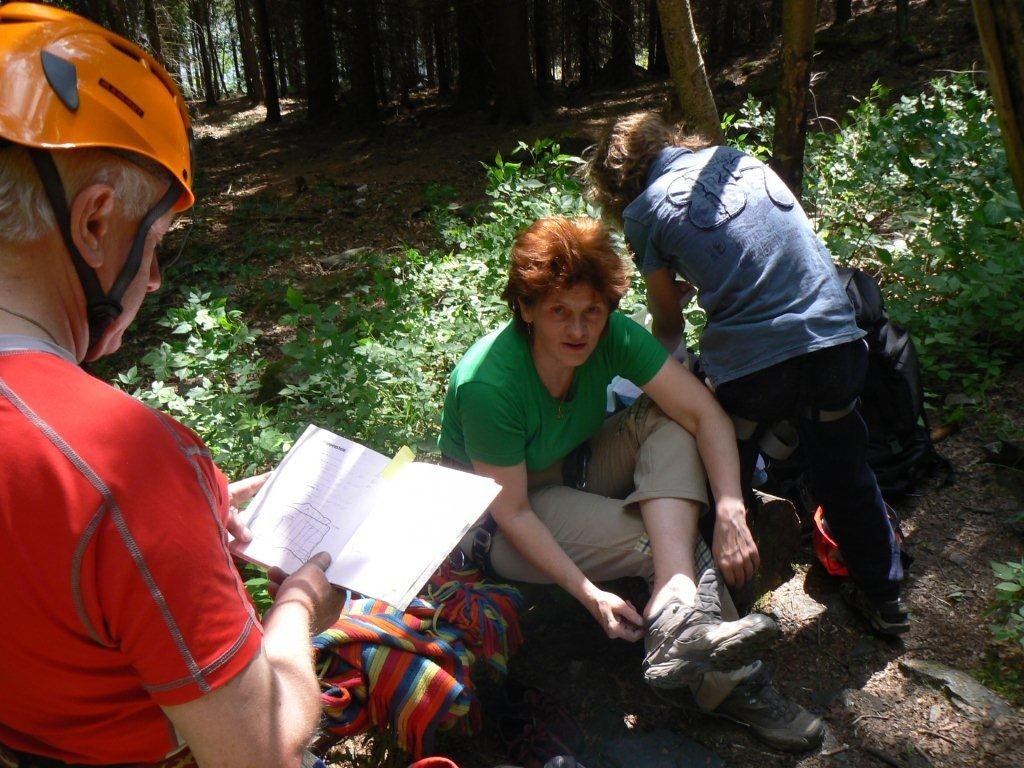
x,y
916,193
1004,664
919,195
372,362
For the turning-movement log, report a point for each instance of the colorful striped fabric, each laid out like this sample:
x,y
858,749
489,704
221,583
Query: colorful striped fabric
x,y
408,673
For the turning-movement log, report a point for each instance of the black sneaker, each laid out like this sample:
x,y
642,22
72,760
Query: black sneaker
x,y
890,617
777,721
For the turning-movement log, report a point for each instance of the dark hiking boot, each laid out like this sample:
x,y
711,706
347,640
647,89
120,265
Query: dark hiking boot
x,y
890,617
777,721
685,641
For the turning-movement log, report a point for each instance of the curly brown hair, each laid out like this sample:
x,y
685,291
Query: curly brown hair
x,y
558,253
617,169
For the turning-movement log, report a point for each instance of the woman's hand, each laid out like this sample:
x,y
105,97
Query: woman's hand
x,y
734,549
618,618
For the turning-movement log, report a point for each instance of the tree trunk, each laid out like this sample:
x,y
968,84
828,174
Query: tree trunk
x,y
586,10
515,89
407,57
93,11
903,22
199,36
281,60
728,30
713,31
443,48
267,73
757,24
798,21
1001,29
209,24
236,65
472,91
116,20
623,58
153,31
290,53
657,61
425,25
844,12
542,46
361,52
250,58
687,67
380,83
775,19
318,47
567,58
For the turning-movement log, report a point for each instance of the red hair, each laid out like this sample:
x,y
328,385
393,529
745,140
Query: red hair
x,y
556,254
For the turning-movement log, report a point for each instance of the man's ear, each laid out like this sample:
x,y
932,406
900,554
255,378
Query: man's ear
x,y
91,213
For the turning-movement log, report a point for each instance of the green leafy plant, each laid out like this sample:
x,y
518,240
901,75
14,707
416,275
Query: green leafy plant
x,y
918,194
1004,661
1009,603
207,374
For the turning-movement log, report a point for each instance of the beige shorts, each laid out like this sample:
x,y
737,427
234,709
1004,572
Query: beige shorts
x,y
639,453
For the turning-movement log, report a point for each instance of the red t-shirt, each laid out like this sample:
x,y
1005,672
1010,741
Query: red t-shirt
x,y
119,593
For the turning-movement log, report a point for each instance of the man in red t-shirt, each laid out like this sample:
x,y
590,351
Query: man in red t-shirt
x,y
127,634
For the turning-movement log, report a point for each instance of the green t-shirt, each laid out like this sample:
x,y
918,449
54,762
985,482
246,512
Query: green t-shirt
x,y
499,412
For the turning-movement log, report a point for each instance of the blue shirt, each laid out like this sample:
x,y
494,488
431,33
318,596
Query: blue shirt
x,y
728,224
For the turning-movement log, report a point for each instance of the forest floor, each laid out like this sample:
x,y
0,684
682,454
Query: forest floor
x,y
353,190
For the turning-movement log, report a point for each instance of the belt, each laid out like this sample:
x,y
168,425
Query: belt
x,y
480,543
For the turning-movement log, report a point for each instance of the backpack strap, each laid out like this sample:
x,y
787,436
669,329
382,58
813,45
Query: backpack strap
x,y
821,415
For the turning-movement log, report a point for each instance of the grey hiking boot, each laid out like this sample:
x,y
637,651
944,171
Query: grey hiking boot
x,y
777,721
889,617
685,641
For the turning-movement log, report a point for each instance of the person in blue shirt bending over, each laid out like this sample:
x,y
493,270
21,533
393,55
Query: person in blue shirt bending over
x,y
780,342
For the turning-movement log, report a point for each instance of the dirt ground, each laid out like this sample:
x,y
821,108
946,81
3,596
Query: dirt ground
x,y
878,712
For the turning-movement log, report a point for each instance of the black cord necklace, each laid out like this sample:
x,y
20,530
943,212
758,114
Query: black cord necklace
x,y
567,397
36,323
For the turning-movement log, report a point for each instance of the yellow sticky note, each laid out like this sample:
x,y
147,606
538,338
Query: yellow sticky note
x,y
404,456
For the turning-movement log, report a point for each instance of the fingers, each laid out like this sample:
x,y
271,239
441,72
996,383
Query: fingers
x,y
620,618
626,631
630,613
737,566
241,491
236,527
309,586
321,560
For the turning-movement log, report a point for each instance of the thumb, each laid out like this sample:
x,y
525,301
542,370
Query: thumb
x,y
321,560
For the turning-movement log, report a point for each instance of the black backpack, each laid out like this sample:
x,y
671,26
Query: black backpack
x,y
900,449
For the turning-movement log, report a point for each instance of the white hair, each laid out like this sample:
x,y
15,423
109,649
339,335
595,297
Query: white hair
x,y
25,212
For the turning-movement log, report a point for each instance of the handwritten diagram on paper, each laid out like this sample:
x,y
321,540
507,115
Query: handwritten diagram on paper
x,y
302,530
314,501
387,524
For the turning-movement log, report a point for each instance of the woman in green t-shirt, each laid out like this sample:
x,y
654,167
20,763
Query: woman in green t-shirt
x,y
587,499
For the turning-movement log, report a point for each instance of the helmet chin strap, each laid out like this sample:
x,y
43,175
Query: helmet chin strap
x,y
101,308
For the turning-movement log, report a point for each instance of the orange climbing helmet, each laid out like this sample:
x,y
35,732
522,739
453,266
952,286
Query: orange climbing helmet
x,y
68,83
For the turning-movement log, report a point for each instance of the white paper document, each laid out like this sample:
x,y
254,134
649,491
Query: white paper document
x,y
387,524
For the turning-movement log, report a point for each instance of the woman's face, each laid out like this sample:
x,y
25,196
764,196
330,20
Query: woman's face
x,y
567,325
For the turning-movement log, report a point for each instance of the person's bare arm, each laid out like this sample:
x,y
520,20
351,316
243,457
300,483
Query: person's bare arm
x,y
533,540
663,296
692,405
265,716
